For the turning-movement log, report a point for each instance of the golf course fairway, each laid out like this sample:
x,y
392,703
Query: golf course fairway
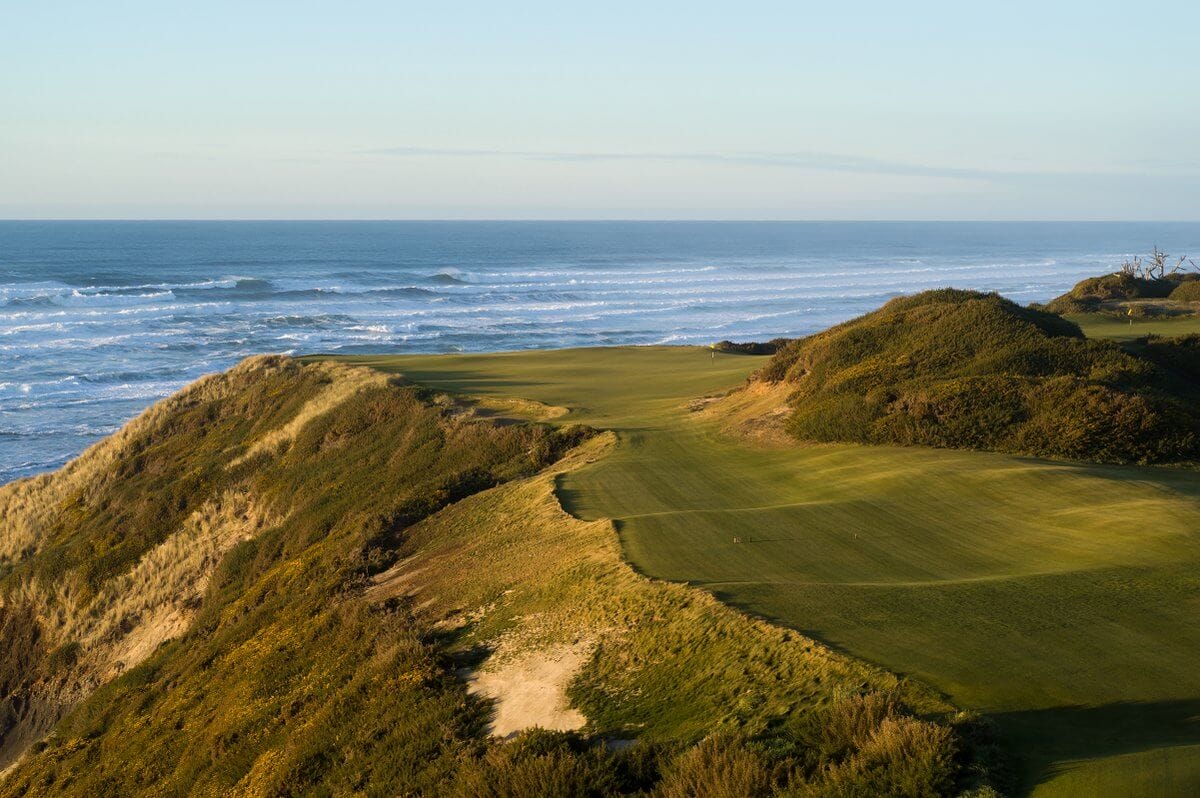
x,y
1061,600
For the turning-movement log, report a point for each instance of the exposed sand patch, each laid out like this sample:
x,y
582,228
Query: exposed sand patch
x,y
134,613
155,601
521,408
757,411
500,409
395,582
530,689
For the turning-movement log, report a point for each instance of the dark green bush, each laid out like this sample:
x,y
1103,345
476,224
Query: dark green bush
x,y
967,370
750,348
1087,295
1188,291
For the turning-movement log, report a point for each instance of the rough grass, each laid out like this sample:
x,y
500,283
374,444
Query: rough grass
x,y
959,369
108,557
1057,598
171,523
332,580
510,568
509,571
1186,292
138,486
1092,294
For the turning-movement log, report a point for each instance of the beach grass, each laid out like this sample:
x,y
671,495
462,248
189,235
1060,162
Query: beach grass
x,y
356,559
1058,598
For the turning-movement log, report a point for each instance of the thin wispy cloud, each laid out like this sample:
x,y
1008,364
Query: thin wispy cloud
x,y
794,160
811,161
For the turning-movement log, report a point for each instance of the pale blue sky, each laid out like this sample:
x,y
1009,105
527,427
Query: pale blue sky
x,y
760,110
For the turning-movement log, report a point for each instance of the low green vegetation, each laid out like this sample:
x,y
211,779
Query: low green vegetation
x,y
278,686
1092,294
750,347
1188,291
958,369
1056,598
1150,287
1131,329
335,548
331,549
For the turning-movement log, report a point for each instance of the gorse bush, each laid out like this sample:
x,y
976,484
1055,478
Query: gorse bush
x,y
751,347
968,370
539,762
1188,291
721,766
1090,295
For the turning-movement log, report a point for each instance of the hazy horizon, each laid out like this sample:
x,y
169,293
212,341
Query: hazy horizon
x,y
580,220
539,111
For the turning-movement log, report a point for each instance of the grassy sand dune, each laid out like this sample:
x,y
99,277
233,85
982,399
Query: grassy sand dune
x,y
339,550
1060,598
511,572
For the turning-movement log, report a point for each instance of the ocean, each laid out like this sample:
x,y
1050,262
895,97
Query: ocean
x,y
100,319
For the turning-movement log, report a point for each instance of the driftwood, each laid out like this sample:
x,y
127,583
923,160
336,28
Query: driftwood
x,y
1156,267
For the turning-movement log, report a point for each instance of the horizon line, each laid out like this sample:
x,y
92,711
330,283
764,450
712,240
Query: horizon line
x,y
573,220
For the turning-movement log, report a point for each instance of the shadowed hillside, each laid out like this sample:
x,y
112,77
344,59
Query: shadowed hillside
x,y
961,369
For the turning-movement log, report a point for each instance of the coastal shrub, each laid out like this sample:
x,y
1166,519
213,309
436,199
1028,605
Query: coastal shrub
x,y
750,348
1187,291
541,762
903,756
848,723
961,369
1088,296
720,766
1178,356
986,769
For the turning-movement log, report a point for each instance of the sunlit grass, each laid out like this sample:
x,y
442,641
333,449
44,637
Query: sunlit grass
x,y
1030,589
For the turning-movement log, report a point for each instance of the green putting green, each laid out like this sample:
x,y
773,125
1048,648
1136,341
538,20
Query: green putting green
x,y
1098,326
1060,599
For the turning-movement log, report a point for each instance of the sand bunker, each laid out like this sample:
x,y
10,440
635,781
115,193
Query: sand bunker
x,y
530,689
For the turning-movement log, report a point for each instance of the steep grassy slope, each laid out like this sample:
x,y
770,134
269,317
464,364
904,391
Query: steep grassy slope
x,y
279,572
104,560
235,512
960,369
1060,598
666,663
